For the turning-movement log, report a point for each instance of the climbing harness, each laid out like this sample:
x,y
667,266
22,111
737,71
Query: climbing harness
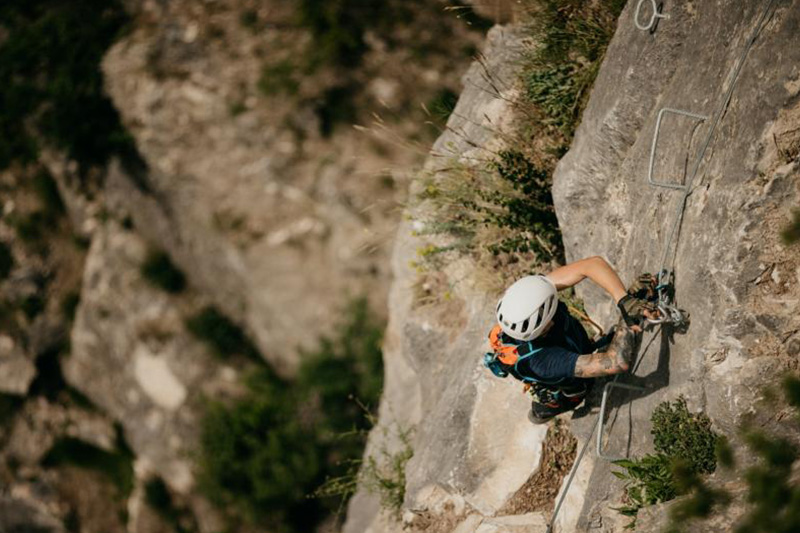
x,y
665,299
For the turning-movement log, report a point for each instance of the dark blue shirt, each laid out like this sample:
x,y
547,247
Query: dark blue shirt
x,y
558,350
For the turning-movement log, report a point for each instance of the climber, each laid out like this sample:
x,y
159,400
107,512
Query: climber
x,y
540,343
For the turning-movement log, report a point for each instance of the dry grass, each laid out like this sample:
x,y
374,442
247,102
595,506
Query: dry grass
x,y
540,491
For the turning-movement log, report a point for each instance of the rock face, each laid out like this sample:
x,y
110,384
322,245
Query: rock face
x,y
472,444
728,246
276,222
18,515
132,356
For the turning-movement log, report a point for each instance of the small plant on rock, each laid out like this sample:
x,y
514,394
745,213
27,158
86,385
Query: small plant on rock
x,y
684,443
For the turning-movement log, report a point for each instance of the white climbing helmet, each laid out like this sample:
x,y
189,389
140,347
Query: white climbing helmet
x,y
527,307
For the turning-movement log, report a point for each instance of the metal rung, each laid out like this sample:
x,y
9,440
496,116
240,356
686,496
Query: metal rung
x,y
655,140
656,15
602,415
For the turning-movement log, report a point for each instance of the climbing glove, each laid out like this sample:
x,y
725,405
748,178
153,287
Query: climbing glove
x,y
641,297
644,287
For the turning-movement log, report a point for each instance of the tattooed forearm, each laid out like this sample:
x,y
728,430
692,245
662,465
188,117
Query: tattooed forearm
x,y
599,364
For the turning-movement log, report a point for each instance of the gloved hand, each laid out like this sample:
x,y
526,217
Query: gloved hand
x,y
644,288
640,300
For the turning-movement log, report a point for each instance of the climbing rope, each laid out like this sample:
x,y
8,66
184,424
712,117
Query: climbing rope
x,y
673,233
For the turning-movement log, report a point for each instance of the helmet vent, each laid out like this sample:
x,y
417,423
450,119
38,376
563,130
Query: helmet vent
x,y
514,326
501,318
525,325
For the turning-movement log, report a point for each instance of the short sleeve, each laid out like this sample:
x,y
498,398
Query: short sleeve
x,y
551,364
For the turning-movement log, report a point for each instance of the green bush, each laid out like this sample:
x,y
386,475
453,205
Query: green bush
x,y
159,270
50,72
773,492
529,213
571,38
504,208
6,260
682,435
264,454
685,445
224,337
649,480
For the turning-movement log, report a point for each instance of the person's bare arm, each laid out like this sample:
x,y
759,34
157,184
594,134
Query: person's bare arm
x,y
595,365
596,269
615,360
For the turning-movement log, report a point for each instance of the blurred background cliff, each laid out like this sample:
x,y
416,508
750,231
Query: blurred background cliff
x,y
198,204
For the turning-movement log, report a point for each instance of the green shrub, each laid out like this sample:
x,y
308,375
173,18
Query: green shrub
x,y
116,465
386,474
649,480
50,73
772,491
264,454
529,212
6,260
570,40
685,445
686,436
159,270
224,337
503,208
441,106
258,458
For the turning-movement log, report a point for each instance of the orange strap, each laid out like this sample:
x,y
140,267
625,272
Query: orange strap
x,y
507,353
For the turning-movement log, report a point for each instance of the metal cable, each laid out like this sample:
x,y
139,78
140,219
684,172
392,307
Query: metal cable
x,y
717,117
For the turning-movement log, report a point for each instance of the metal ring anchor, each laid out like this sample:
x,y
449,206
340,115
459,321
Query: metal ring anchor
x,y
661,114
656,15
